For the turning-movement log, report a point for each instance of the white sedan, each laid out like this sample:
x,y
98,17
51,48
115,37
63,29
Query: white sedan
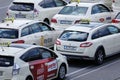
x,y
29,32
74,12
90,41
31,62
42,10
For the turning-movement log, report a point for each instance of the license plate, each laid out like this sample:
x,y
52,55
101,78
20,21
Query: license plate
x,y
70,47
20,16
65,22
1,73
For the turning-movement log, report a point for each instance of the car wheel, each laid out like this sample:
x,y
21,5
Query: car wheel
x,y
61,73
99,57
29,78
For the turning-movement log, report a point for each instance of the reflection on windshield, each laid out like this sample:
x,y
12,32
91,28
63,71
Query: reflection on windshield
x,y
74,10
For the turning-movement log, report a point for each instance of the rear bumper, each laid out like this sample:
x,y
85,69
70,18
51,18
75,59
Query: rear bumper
x,y
82,57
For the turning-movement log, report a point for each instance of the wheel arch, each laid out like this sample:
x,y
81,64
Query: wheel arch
x,y
29,76
100,47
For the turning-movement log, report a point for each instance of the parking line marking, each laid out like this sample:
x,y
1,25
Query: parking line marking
x,y
3,7
78,71
94,70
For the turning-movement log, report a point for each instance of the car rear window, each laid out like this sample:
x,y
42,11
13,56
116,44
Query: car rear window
x,y
74,10
8,33
6,61
22,7
74,36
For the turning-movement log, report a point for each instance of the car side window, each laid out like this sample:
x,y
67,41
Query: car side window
x,y
31,55
60,3
104,32
103,8
47,3
35,28
44,27
47,54
95,9
95,35
25,31
112,29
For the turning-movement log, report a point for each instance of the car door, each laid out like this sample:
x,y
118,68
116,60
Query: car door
x,y
29,34
115,34
47,38
101,13
107,40
36,65
51,64
26,35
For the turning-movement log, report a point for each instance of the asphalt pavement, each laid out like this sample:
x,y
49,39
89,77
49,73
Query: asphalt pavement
x,y
3,8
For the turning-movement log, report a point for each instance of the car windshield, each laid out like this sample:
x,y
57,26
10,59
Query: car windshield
x,y
74,36
6,61
74,10
22,7
8,33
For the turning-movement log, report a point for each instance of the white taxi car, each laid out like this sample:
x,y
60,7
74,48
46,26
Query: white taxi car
x,y
92,41
74,12
35,9
28,31
31,62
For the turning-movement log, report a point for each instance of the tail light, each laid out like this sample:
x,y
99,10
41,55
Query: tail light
x,y
19,41
86,44
115,21
58,42
53,20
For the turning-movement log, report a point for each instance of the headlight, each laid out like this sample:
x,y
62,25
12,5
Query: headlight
x,y
16,69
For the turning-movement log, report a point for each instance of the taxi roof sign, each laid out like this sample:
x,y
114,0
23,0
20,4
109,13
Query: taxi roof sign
x,y
5,44
75,1
82,21
9,19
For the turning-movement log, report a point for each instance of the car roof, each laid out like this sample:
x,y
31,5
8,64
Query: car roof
x,y
14,49
85,27
27,1
22,46
9,51
15,24
82,4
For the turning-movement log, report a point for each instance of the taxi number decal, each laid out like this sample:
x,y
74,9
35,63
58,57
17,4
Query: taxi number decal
x,y
52,65
48,40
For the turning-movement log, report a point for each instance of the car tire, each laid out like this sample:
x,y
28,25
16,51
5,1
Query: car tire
x,y
29,78
99,57
62,72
